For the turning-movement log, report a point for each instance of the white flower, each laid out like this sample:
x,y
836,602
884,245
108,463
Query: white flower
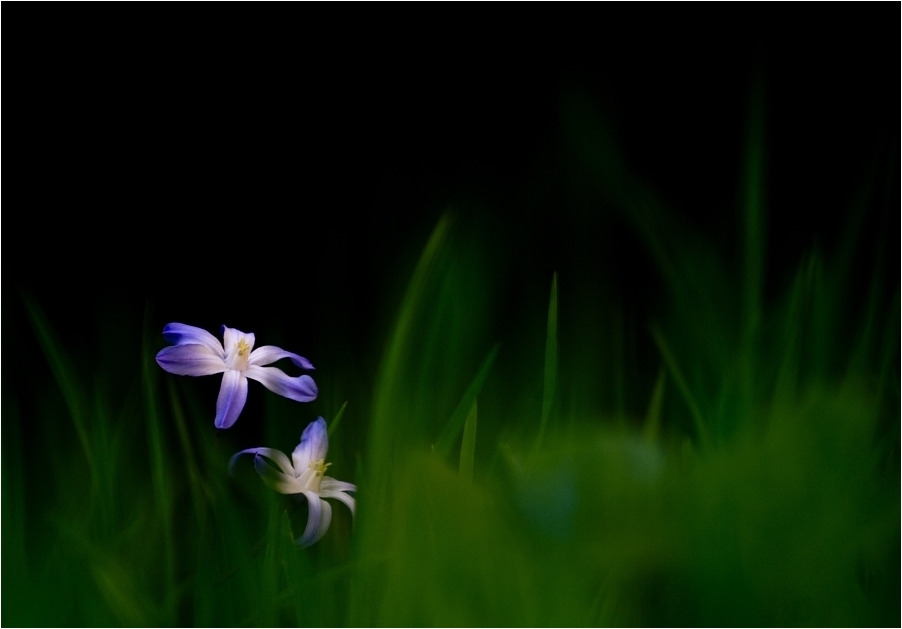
x,y
198,353
304,474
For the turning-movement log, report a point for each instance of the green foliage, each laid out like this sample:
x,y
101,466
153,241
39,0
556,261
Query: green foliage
x,y
762,489
468,445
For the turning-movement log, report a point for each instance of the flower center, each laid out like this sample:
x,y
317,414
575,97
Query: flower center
x,y
319,468
239,362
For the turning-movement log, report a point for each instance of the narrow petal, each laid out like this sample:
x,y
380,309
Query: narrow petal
x,y
181,334
340,495
330,484
313,446
232,396
318,520
276,480
190,360
280,459
299,389
268,354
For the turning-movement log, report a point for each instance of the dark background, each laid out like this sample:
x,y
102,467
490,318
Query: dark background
x,y
270,174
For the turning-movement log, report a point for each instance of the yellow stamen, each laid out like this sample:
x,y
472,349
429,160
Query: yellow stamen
x,y
243,348
319,466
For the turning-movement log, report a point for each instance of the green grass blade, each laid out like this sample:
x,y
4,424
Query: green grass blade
x,y
196,479
270,568
677,374
468,446
452,429
389,427
390,382
550,360
791,341
159,462
335,420
63,374
863,349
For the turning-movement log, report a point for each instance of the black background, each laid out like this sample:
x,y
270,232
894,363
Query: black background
x,y
207,168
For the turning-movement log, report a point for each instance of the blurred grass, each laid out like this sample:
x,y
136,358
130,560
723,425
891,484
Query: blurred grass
x,y
755,483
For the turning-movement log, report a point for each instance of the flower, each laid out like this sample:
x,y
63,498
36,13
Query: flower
x,y
198,353
304,474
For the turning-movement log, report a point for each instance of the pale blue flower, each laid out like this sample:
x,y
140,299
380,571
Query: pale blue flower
x,y
198,353
304,474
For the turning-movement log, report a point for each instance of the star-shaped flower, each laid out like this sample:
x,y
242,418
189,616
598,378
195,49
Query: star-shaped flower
x,y
198,353
304,474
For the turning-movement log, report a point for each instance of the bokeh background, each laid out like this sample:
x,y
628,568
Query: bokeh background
x,y
706,431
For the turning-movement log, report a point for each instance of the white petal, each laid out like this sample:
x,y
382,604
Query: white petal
x,y
190,360
232,396
280,459
231,339
317,521
269,354
314,445
299,389
231,336
181,334
307,478
340,495
330,484
282,483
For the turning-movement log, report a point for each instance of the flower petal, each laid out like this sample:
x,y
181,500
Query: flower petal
x,y
276,480
317,521
339,495
231,336
232,396
313,446
280,459
181,334
299,389
268,354
331,484
190,360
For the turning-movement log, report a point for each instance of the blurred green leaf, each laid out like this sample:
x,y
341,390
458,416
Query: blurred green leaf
x,y
468,445
452,429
